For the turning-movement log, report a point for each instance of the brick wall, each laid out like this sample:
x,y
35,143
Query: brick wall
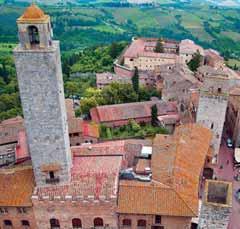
x,y
65,211
167,221
16,217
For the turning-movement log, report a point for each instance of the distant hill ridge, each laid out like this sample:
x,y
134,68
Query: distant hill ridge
x,y
229,3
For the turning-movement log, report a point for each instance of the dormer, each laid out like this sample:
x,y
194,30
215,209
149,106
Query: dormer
x,y
34,29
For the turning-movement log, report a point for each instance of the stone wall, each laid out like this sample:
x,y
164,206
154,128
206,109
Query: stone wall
x,y
211,114
214,217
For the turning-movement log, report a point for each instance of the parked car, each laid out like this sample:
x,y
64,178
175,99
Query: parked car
x,y
127,175
229,143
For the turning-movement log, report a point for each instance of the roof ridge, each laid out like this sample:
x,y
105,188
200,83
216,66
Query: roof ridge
x,y
178,194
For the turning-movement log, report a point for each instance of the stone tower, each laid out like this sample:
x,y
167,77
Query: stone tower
x,y
213,105
39,73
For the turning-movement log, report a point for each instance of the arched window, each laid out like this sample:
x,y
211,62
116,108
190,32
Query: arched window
x,y
7,222
25,223
54,223
141,223
98,222
33,35
127,222
76,223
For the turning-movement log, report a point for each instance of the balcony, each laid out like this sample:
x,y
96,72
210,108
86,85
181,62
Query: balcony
x,y
52,180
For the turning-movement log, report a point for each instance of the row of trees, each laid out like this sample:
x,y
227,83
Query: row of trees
x,y
115,93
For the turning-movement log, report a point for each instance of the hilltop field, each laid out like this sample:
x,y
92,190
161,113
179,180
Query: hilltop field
x,y
79,27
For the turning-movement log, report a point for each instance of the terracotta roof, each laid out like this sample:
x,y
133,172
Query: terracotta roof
x,y
16,187
22,152
75,125
100,149
150,199
138,48
91,130
126,111
9,130
91,175
33,13
178,161
69,108
176,165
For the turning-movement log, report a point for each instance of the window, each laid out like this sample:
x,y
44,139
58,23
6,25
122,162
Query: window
x,y
212,125
158,219
76,223
51,175
3,210
141,223
33,35
25,223
21,210
54,223
219,90
98,222
7,222
127,222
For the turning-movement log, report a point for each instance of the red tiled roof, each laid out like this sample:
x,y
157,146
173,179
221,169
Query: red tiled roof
x,y
176,164
91,175
100,149
16,187
9,130
137,48
22,152
110,113
69,108
151,199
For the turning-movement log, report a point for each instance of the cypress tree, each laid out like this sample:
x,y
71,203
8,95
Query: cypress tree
x,y
135,81
154,114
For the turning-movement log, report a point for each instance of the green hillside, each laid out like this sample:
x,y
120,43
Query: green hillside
x,y
80,27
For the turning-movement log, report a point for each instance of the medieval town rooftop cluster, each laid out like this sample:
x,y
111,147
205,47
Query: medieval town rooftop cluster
x,y
56,171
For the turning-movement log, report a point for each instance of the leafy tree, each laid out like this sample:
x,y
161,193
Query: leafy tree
x,y
195,62
86,104
117,93
135,81
159,46
71,88
154,114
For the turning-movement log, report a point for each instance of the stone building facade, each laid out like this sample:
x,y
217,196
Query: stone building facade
x,y
232,124
39,74
212,107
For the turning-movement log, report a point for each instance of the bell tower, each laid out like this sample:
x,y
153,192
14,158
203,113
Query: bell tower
x,y
39,73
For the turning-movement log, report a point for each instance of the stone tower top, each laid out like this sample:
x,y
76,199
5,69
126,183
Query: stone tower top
x,y
34,29
33,14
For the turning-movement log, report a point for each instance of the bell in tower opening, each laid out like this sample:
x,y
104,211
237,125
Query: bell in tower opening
x,y
34,29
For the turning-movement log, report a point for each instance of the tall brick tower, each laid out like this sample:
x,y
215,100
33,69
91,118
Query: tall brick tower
x,y
39,73
213,105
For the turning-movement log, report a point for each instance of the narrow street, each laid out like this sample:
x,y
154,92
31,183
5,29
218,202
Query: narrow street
x,y
225,171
